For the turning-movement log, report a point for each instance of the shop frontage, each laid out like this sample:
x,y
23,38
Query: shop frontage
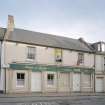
x,y
48,78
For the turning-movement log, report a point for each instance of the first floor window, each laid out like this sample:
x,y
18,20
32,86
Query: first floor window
x,y
80,58
58,55
31,53
50,79
20,79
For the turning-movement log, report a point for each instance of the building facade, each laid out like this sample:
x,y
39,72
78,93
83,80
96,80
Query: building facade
x,y
99,66
38,62
45,69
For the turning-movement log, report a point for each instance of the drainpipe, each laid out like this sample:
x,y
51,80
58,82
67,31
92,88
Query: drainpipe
x,y
94,69
5,79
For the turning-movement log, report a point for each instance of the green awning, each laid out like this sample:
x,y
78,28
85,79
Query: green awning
x,y
77,70
34,68
64,69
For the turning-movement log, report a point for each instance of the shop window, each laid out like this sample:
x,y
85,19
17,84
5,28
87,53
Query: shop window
x,y
31,53
50,79
80,59
20,79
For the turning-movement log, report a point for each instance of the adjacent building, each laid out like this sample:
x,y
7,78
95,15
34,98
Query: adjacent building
x,y
99,48
39,62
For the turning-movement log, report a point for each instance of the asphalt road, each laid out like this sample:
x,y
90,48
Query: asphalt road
x,y
72,100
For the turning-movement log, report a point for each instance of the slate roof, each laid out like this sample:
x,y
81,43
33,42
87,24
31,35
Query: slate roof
x,y
2,33
37,38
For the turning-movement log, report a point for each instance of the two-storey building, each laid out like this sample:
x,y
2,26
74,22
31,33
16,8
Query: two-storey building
x,y
38,62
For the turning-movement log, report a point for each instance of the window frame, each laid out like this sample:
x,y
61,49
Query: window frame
x,y
80,58
18,74
103,47
29,53
58,55
99,47
50,79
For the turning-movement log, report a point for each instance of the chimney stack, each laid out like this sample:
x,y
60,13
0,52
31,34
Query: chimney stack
x,y
11,25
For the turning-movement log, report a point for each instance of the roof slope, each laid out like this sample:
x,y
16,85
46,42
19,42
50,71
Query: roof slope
x,y
20,35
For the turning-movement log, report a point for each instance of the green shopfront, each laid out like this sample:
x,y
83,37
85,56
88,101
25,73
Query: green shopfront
x,y
37,67
49,78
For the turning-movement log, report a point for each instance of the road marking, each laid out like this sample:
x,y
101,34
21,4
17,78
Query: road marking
x,y
38,103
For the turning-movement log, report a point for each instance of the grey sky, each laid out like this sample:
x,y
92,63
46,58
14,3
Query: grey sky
x,y
71,18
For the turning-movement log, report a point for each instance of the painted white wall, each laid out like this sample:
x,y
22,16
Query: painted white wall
x,y
15,52
69,57
18,53
88,60
45,55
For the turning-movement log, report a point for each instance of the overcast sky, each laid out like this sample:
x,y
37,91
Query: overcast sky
x,y
71,18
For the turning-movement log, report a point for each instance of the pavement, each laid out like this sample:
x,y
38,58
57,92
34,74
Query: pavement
x,y
53,99
61,94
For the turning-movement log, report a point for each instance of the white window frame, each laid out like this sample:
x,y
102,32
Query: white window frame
x,y
20,79
58,55
33,53
99,47
103,47
80,59
50,79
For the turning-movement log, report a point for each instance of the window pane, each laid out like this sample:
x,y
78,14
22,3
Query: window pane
x,y
20,82
50,82
20,79
48,76
18,76
58,55
80,58
103,47
31,53
22,76
50,79
99,47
